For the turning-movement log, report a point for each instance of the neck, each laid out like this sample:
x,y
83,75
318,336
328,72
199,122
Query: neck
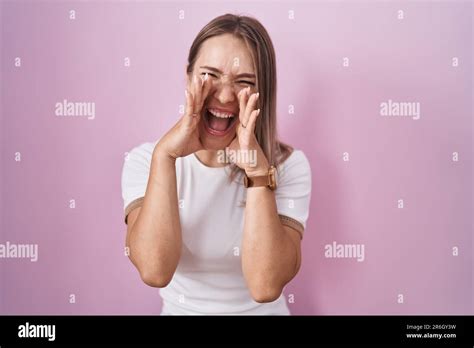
x,y
209,158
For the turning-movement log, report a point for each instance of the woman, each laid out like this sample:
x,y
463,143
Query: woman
x,y
220,237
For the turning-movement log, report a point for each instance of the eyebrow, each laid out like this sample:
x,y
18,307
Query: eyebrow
x,y
252,76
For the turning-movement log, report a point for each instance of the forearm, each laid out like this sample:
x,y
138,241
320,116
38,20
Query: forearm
x,y
269,258
155,238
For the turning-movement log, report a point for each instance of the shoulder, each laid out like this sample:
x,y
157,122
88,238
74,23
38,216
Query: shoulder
x,y
137,163
293,192
139,156
296,156
295,165
142,151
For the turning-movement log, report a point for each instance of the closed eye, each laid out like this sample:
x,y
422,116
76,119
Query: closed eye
x,y
210,74
240,81
247,82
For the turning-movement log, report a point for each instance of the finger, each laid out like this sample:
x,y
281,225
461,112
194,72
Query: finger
x,y
206,87
243,97
188,114
252,121
251,106
197,93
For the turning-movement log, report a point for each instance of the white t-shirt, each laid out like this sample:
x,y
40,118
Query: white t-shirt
x,y
209,278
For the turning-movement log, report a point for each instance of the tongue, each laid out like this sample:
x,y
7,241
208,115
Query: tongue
x,y
218,124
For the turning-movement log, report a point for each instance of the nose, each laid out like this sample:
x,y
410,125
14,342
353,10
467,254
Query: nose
x,y
225,94
225,91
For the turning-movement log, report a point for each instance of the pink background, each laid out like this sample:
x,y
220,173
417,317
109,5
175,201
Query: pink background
x,y
407,251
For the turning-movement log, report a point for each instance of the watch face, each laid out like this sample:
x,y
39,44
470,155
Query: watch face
x,y
272,178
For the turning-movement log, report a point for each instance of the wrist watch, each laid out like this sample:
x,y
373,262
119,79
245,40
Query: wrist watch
x,y
268,180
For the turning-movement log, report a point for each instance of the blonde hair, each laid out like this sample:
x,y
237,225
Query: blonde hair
x,y
256,37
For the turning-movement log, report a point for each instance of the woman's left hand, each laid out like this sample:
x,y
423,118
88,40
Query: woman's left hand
x,y
250,156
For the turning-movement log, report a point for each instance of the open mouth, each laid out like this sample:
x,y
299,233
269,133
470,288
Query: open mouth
x,y
218,122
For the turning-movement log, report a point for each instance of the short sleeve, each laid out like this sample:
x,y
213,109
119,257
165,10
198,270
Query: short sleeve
x,y
293,191
136,169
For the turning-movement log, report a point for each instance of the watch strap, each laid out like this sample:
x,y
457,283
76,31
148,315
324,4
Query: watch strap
x,y
257,181
268,180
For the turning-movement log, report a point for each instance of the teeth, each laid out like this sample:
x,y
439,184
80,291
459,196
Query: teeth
x,y
220,114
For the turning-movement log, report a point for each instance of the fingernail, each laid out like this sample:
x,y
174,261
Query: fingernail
x,y
206,76
258,112
248,91
256,97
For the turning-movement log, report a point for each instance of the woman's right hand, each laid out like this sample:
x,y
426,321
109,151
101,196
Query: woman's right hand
x,y
183,138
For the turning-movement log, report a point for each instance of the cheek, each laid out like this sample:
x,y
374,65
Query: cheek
x,y
238,88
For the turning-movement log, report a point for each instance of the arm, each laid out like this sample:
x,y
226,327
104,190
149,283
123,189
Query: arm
x,y
271,254
154,230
